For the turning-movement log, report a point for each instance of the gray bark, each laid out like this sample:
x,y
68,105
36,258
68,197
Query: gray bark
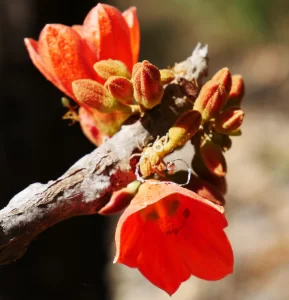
x,y
88,184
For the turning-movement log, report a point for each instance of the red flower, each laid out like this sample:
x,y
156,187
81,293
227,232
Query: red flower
x,y
64,54
170,233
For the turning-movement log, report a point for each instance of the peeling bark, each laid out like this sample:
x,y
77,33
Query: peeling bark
x,y
88,184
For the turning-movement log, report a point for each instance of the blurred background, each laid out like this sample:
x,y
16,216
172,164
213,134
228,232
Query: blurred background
x,y
73,259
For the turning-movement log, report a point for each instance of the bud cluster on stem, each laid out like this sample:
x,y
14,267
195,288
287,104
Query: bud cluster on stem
x,y
96,65
219,104
118,90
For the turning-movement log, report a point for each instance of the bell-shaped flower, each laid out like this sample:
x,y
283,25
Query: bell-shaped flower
x,y
170,233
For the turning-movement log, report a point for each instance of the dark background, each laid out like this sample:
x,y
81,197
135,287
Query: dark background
x,y
66,261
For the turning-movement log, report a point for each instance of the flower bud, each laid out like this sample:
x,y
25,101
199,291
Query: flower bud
x,y
167,76
94,95
223,141
120,88
184,128
237,91
224,77
65,102
202,171
110,67
206,190
211,99
148,89
213,158
229,120
120,199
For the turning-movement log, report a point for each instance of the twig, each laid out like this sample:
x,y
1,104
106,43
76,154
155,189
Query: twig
x,y
89,183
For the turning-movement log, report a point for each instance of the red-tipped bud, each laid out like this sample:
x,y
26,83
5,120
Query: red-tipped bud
x,y
94,95
167,76
148,88
120,199
213,158
120,88
237,91
224,77
184,128
110,67
206,190
211,99
202,171
229,121
219,183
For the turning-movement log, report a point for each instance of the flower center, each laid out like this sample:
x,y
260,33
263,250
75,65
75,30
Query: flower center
x,y
170,215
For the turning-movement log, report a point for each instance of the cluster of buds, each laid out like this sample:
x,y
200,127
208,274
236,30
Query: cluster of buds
x,y
216,115
219,103
121,92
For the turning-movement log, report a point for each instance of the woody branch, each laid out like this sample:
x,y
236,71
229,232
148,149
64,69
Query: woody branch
x,y
87,186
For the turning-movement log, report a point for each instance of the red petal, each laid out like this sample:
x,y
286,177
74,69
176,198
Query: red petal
x,y
107,33
32,47
66,55
204,245
159,260
128,240
89,128
133,25
78,29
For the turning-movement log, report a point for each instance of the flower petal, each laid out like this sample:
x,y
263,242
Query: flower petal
x,y
159,262
89,128
77,28
129,250
66,55
32,47
107,33
133,25
202,242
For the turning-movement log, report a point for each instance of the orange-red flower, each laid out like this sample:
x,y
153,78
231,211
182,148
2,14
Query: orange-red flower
x,y
170,233
64,54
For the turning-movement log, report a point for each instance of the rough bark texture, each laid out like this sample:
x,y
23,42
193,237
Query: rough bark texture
x,y
89,183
